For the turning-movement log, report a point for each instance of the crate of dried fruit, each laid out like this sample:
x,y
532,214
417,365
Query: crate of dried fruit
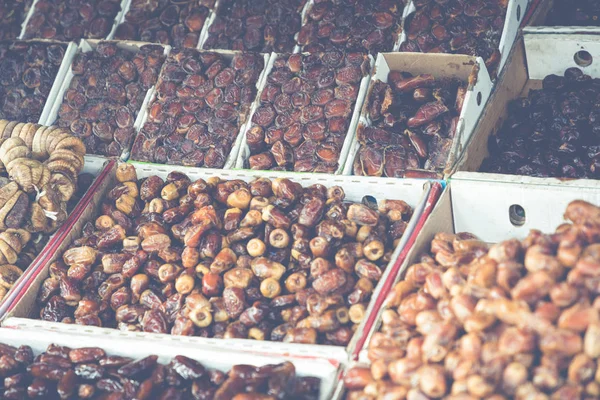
x,y
307,110
351,26
475,314
419,113
199,108
106,86
260,26
32,73
66,20
486,29
43,179
50,364
215,260
178,24
552,16
12,18
542,123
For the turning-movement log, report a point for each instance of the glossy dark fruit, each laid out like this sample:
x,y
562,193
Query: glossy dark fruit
x,y
28,71
579,13
202,101
413,126
552,132
106,95
69,20
307,98
347,25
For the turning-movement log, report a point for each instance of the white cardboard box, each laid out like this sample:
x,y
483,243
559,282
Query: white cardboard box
x,y
244,150
466,68
533,57
415,192
515,13
86,46
325,369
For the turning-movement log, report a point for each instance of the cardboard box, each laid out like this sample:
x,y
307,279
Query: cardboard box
x,y
325,369
86,46
514,14
244,150
466,68
244,117
418,194
534,57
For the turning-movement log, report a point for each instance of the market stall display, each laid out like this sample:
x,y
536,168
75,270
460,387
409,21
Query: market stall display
x,y
202,100
552,132
219,259
12,16
108,85
91,373
28,70
514,319
171,22
350,25
307,107
72,19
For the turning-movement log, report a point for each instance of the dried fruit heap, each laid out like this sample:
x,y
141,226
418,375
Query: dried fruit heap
x,y
27,72
12,16
202,100
552,132
106,95
256,25
413,122
40,169
89,373
305,111
352,25
472,27
72,19
574,13
227,259
518,320
177,23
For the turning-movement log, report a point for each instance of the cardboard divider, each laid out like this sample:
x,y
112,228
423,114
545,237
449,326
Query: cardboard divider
x,y
466,68
244,117
94,167
415,192
534,56
86,46
515,12
244,150
325,369
111,34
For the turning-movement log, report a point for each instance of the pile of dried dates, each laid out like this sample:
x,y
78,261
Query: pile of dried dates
x,y
265,260
173,22
40,166
89,373
518,320
574,13
69,20
460,27
352,25
413,122
553,132
27,72
202,100
106,94
305,111
256,25
12,16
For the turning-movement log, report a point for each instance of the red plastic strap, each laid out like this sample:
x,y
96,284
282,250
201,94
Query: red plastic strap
x,y
436,191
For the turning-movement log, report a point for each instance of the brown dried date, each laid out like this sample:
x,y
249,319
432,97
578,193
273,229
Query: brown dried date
x,y
12,15
302,124
204,135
